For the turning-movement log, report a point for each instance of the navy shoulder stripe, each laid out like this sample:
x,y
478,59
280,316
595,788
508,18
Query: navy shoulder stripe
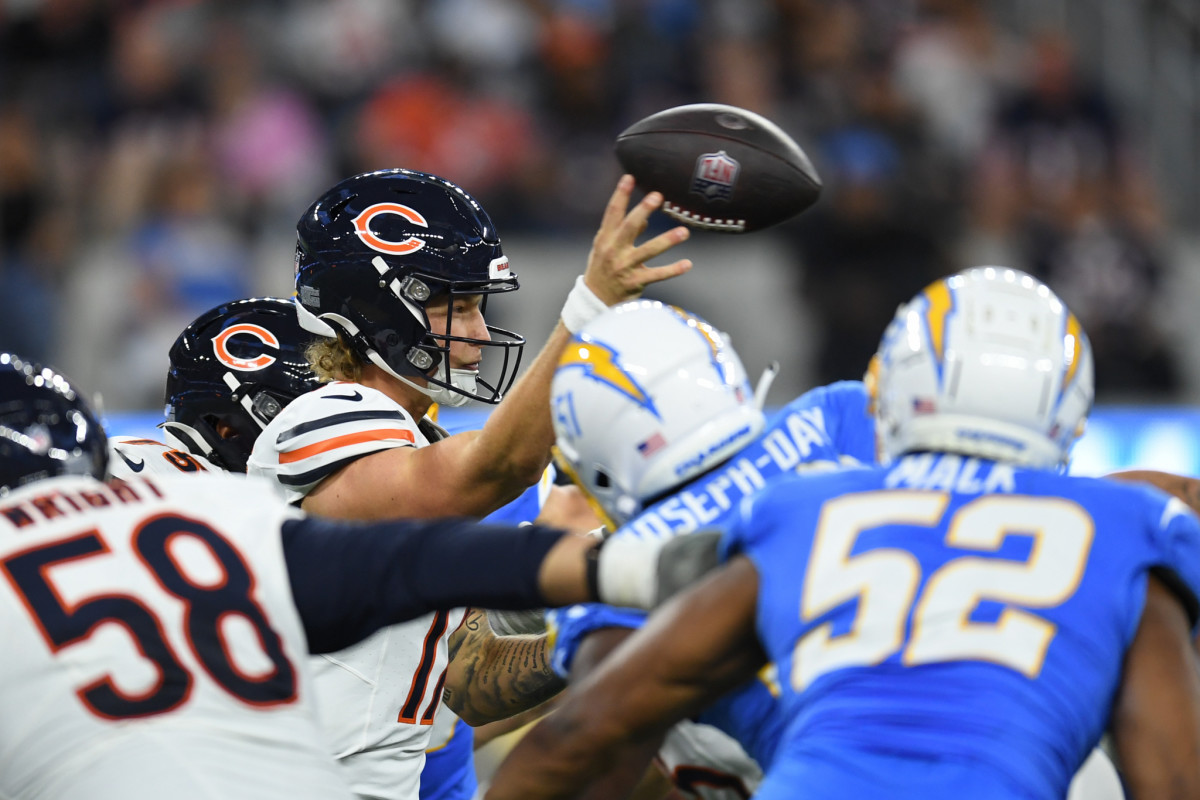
x,y
316,475
336,419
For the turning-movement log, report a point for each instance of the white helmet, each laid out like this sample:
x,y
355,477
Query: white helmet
x,y
645,397
988,363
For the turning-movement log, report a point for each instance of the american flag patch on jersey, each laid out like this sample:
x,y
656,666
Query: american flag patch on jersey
x,y
652,445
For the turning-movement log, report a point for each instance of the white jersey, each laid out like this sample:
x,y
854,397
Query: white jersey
x,y
152,648
130,457
1097,779
445,724
377,699
706,763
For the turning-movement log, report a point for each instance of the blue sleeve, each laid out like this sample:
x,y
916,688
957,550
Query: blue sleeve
x,y
850,425
844,406
740,529
1178,540
350,578
449,771
569,626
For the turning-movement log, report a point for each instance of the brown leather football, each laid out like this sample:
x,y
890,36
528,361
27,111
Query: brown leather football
x,y
719,167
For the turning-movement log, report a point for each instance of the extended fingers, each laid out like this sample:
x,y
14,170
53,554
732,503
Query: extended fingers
x,y
614,212
635,221
660,244
616,265
647,275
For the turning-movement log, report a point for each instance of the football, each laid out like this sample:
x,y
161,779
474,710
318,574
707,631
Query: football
x,y
719,168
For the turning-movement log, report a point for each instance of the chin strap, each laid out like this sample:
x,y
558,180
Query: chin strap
x,y
185,437
462,379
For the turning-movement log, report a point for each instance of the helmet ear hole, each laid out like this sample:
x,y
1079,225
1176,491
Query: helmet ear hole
x,y
224,429
602,480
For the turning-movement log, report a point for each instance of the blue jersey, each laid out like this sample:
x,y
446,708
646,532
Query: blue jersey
x,y
826,427
449,771
950,627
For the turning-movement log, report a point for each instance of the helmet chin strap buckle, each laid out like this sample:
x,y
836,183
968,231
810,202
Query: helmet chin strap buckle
x,y
264,407
415,289
420,359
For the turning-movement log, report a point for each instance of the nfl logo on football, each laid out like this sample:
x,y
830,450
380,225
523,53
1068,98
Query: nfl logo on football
x,y
715,175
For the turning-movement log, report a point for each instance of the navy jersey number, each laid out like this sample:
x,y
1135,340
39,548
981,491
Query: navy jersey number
x,y
62,624
207,606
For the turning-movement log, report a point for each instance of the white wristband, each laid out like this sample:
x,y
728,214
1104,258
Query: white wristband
x,y
582,306
628,571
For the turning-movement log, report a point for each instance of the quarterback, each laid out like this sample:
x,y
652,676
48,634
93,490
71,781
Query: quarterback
x,y
393,272
231,372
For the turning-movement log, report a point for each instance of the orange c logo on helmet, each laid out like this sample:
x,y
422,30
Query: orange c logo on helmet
x,y
244,364
362,226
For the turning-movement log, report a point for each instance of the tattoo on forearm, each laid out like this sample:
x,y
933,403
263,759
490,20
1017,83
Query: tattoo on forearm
x,y
504,675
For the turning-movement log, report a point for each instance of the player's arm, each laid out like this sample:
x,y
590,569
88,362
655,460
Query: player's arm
x,y
1185,488
566,507
476,472
629,764
350,579
493,677
698,646
1156,714
486,734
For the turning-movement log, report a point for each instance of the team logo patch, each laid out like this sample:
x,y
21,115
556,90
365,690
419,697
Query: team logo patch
x,y
715,176
221,347
362,226
498,269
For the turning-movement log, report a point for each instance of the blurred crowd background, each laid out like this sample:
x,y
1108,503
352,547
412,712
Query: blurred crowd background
x,y
155,156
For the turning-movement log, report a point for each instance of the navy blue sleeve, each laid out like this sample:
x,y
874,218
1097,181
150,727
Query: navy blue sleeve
x,y
350,578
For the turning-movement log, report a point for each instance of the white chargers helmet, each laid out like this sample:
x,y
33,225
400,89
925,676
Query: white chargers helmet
x,y
987,363
645,397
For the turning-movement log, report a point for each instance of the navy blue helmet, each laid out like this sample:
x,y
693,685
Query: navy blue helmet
x,y
46,428
238,364
376,250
